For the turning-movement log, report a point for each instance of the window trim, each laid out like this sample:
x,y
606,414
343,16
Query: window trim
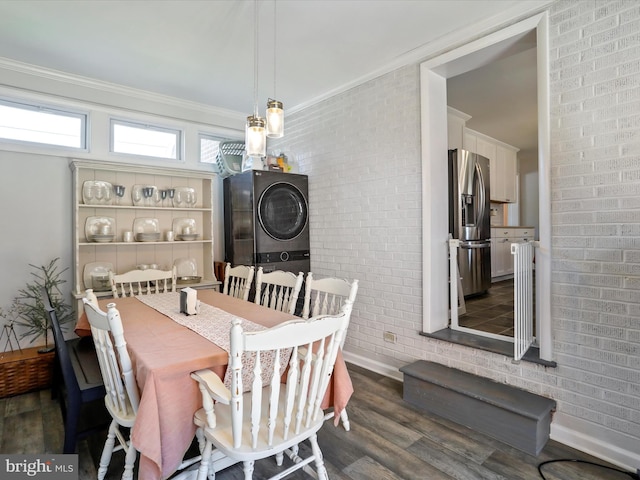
x,y
208,136
34,106
179,134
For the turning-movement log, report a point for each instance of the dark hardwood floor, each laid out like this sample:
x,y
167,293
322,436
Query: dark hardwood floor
x,y
493,311
388,440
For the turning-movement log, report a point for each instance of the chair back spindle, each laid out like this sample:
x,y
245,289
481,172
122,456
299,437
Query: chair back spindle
x,y
278,290
238,280
326,296
142,282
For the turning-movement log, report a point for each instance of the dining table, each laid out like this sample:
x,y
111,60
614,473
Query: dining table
x,y
164,353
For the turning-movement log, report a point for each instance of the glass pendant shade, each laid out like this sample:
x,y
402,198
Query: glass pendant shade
x,y
256,139
275,119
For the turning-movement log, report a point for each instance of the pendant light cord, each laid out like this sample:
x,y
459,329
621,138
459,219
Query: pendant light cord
x,y
255,58
275,32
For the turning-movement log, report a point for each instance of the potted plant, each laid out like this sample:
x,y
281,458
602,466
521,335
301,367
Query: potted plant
x,y
31,312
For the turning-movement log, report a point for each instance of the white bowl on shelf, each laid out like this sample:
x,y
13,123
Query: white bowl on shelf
x,y
148,237
102,238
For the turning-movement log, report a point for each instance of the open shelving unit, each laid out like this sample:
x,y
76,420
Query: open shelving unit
x,y
125,256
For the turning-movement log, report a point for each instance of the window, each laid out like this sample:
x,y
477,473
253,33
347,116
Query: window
x,y
209,148
146,140
31,123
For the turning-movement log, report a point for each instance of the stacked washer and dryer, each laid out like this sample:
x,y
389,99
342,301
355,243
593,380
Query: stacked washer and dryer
x,y
267,220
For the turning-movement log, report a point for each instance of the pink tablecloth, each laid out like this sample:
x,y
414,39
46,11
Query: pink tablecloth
x,y
164,354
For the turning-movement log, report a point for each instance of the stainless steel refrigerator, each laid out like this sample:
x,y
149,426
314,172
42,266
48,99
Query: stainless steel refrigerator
x,y
469,218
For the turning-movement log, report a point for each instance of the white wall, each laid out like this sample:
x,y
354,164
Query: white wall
x,y
528,188
361,151
36,220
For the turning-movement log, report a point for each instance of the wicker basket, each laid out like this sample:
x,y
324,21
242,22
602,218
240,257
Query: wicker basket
x,y
26,371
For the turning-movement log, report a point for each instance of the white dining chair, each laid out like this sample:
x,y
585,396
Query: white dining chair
x,y
122,397
272,416
278,290
326,296
237,281
142,282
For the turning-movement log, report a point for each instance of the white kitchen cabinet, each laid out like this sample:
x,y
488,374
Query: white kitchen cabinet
x,y
501,240
456,121
502,164
505,173
486,147
124,213
501,262
470,141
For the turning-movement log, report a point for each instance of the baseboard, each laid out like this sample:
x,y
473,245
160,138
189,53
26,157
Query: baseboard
x,y
373,365
607,452
592,445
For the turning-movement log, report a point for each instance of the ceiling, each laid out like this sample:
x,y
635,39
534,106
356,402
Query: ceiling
x,y
502,97
203,51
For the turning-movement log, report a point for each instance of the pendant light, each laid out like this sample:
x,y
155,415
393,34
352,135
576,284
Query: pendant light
x,y
275,112
255,138
275,119
255,134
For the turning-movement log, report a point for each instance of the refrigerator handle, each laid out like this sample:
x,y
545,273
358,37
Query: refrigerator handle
x,y
475,245
480,193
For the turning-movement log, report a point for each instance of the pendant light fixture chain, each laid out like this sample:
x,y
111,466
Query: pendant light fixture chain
x,y
255,58
255,135
275,112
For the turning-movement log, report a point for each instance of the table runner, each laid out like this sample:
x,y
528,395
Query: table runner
x,y
214,324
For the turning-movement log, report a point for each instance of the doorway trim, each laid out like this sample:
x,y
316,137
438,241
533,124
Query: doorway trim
x,y
433,89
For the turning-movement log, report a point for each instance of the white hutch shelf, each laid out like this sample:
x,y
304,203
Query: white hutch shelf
x,y
125,256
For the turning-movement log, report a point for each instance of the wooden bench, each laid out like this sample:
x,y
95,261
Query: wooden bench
x,y
514,416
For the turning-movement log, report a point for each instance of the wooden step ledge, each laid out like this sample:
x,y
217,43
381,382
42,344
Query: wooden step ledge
x,y
519,418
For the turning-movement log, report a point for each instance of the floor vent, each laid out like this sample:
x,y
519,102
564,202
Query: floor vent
x,y
513,416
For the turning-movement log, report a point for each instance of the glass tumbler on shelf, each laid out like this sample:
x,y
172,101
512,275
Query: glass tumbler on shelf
x,y
136,196
119,191
88,192
179,199
156,198
100,195
147,193
191,199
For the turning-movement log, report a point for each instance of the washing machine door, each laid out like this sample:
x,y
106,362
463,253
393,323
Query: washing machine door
x,y
282,211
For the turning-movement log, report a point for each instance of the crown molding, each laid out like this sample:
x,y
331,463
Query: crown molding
x,y
112,88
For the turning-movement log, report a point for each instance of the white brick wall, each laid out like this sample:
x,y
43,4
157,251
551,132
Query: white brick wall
x,y
595,146
361,151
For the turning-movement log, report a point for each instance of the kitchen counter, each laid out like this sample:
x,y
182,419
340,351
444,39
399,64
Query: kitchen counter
x,y
502,236
511,226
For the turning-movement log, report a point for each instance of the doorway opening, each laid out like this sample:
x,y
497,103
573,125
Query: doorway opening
x,y
492,111
434,75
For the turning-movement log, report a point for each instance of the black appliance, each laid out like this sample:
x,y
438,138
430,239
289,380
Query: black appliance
x,y
267,220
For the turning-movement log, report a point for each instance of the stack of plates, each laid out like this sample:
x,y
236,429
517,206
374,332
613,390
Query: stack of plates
x,y
188,236
148,237
100,238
